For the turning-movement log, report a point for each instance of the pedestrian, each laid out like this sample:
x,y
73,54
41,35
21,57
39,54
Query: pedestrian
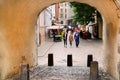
x,y
53,35
76,37
65,39
81,34
62,33
70,38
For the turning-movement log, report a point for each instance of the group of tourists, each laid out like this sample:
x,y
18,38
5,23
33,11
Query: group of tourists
x,y
70,37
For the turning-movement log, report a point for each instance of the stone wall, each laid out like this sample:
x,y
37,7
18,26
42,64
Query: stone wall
x,y
100,28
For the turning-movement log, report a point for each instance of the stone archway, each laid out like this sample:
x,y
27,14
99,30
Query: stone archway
x,y
17,32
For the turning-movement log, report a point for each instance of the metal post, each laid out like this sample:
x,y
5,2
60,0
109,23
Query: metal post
x,y
89,59
69,60
50,60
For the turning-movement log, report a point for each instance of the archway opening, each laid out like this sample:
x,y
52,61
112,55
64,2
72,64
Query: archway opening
x,y
28,27
62,17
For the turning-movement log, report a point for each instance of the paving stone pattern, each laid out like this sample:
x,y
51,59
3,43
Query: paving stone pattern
x,y
60,71
65,73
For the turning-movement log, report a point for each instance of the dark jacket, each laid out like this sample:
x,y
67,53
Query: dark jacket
x,y
65,36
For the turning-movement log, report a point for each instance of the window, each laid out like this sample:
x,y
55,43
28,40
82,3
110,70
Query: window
x,y
61,10
65,15
61,22
65,4
65,10
61,15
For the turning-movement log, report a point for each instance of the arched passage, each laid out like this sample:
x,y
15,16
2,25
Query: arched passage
x,y
17,32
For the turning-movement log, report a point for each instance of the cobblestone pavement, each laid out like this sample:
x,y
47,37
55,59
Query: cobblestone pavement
x,y
65,73
60,71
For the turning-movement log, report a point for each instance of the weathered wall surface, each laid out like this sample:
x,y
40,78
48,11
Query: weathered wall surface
x,y
17,32
42,32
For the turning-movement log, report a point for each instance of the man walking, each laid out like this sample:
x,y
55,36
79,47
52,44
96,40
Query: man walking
x,y
65,39
76,37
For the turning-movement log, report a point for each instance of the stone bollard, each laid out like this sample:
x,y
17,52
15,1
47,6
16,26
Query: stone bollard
x,y
69,60
50,60
94,70
89,59
24,72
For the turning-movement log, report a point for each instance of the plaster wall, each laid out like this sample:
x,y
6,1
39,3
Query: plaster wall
x,y
42,33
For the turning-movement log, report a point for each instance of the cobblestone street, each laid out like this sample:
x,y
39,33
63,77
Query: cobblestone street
x,y
65,73
60,71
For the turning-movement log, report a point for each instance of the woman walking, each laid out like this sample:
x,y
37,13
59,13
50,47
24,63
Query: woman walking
x,y
70,38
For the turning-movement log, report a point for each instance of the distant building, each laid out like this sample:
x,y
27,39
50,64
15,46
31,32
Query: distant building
x,y
65,13
44,21
57,13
